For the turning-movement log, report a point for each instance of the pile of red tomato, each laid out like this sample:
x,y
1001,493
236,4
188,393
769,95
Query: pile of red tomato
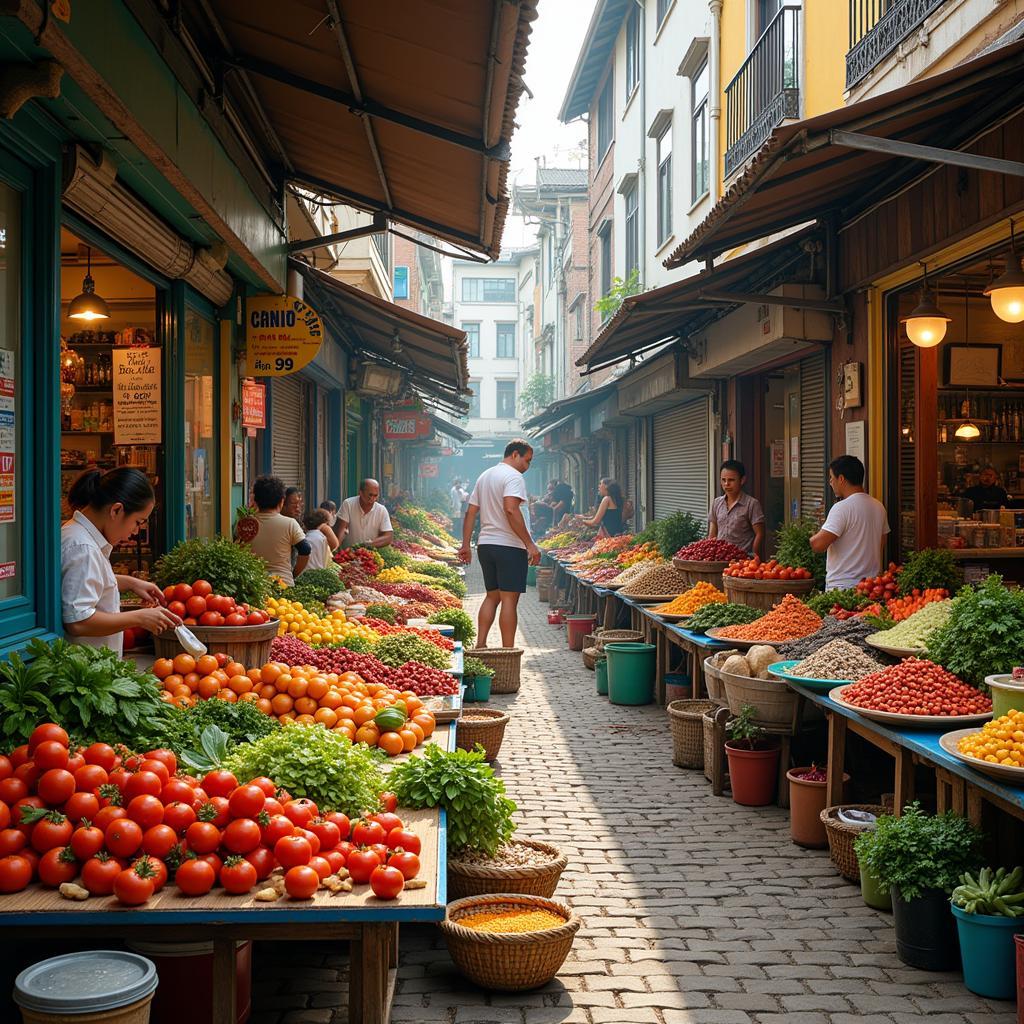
x,y
881,587
124,825
755,569
198,605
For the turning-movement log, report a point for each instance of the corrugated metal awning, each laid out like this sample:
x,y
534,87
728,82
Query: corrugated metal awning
x,y
551,427
449,429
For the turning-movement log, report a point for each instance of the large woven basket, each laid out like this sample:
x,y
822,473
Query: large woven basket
x,y
701,572
707,721
616,636
590,655
506,663
248,645
685,718
508,962
486,727
775,703
713,675
764,594
468,879
841,837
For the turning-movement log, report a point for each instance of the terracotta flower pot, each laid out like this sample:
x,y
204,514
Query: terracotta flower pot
x,y
807,799
752,772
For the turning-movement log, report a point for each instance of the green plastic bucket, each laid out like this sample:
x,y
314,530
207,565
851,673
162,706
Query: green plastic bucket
x,y
1007,694
987,953
875,894
482,687
531,576
601,676
631,670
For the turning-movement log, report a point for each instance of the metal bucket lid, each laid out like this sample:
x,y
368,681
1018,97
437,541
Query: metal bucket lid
x,y
86,982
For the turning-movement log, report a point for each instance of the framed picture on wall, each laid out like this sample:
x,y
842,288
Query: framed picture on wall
x,y
1013,361
973,365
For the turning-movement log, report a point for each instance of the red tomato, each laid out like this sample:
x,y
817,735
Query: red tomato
x,y
159,840
238,876
134,886
387,820
86,842
6,768
146,811
50,754
387,883
292,851
211,619
388,802
158,768
247,801
310,837
196,606
361,864
12,789
51,831
90,777
107,815
143,782
407,863
178,816
301,811
220,783
168,757
255,619
56,785
403,838
321,866
268,786
15,873
124,837
273,806
195,877
234,619
178,791
241,835
301,882
342,821
82,805
29,773
202,837
220,603
19,755
182,592
216,810
366,833
12,841
335,858
5,816
177,608
262,860
99,872
276,828
327,832
47,731
57,866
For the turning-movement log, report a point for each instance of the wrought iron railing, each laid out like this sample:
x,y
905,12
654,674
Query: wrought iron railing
x,y
766,89
877,27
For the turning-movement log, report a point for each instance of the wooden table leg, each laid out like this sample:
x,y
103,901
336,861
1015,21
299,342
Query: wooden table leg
x,y
661,661
904,779
611,612
783,791
974,802
836,759
224,972
370,975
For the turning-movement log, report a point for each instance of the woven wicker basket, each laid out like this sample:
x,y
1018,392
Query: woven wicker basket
x,y
488,731
590,655
514,961
763,594
775,704
506,663
616,636
841,837
685,717
713,675
466,879
707,721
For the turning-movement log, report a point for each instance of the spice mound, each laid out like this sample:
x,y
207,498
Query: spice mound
x,y
915,631
836,660
631,573
696,597
852,631
508,855
659,579
1000,741
917,687
508,921
790,619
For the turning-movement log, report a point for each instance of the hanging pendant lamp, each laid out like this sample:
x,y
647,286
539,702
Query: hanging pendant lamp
x,y
87,305
926,323
1006,292
968,430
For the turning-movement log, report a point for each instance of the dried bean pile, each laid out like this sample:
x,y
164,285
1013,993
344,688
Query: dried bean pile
x,y
853,631
659,579
836,660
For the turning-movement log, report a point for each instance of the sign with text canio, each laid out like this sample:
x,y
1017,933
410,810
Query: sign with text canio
x,y
282,335
405,426
254,405
137,396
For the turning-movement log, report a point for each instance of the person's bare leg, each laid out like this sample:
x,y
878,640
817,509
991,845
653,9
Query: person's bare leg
x,y
508,618
485,617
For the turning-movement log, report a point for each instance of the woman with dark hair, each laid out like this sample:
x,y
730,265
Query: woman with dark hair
x,y
609,512
110,508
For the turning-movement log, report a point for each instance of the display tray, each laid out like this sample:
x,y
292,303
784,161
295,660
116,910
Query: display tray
x,y
895,652
817,685
651,598
444,708
1006,773
615,586
669,617
911,721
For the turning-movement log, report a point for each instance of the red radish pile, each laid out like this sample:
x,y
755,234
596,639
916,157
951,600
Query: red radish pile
x,y
917,687
883,587
711,550
198,605
812,774
124,825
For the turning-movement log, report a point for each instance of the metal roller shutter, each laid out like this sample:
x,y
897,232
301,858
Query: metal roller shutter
x,y
626,471
323,453
681,452
289,448
813,413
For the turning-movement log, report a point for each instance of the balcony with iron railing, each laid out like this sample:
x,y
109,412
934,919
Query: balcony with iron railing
x,y
877,27
765,90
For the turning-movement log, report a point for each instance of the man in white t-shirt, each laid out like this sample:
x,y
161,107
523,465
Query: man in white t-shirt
x,y
362,519
854,530
504,547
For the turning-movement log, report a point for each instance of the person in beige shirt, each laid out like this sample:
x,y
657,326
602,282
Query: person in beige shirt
x,y
278,534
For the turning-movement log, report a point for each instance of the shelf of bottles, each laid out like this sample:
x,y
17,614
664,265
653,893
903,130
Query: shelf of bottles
x,y
998,415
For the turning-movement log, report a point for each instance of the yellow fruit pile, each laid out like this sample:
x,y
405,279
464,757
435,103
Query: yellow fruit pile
x,y
1000,741
396,574
694,598
315,629
646,552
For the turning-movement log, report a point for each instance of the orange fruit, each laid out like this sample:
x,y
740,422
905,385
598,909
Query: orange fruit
x,y
391,743
248,698
408,738
163,667
415,727
426,723
267,691
227,695
184,663
305,720
298,686
167,697
206,664
182,702
240,683
305,705
325,716
234,668
192,681
317,687
265,706
270,672
288,717
209,686
172,680
368,734
331,699
282,704
363,714
254,674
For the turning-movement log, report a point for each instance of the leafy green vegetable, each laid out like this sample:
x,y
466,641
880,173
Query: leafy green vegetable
x,y
90,691
465,631
311,761
316,585
932,567
230,568
398,648
242,722
384,612
744,728
213,744
982,635
392,557
358,644
675,532
475,667
794,547
460,781
711,616
916,852
849,600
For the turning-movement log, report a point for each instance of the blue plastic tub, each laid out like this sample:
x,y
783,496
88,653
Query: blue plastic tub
x,y
987,952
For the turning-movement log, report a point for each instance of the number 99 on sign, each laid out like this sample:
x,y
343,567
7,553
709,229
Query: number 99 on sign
x,y
284,365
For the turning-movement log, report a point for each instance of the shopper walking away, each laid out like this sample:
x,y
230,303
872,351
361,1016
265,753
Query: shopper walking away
x,y
110,508
854,530
609,511
457,498
504,547
280,541
735,515
562,501
321,538
363,519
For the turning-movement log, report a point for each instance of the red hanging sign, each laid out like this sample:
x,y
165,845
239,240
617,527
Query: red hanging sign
x,y
254,405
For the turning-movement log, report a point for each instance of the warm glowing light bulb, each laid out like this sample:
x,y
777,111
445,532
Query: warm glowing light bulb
x,y
967,431
1008,304
926,331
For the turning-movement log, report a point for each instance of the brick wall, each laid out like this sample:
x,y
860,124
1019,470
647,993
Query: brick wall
x,y
577,282
404,255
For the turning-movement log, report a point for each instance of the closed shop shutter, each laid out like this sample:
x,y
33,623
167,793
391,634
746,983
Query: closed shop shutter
x,y
323,454
289,443
813,413
681,444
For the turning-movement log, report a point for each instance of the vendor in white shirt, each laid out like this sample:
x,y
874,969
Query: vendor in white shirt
x,y
854,530
110,508
364,520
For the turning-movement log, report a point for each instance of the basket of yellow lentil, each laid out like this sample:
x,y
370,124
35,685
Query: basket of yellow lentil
x,y
509,942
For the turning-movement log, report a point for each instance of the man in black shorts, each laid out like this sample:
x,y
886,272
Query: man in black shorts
x,y
505,547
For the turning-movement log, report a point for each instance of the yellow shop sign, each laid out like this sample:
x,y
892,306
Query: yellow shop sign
x,y
282,335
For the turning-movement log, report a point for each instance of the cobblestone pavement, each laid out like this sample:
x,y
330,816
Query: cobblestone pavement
x,y
695,910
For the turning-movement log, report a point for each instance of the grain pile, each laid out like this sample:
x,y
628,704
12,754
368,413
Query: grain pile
x,y
629,574
656,581
853,631
837,660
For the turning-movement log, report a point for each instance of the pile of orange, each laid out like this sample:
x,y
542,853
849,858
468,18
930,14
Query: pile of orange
x,y
298,693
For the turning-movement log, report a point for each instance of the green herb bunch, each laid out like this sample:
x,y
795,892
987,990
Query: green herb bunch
x,y
465,631
443,575
794,547
241,722
317,584
392,557
475,667
711,616
932,567
982,635
918,852
676,531
849,600
314,762
230,568
384,612
464,784
743,729
398,648
90,691
359,644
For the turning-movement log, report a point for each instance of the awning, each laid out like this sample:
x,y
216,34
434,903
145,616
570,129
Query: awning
x,y
573,404
662,315
803,171
432,355
551,427
404,109
449,429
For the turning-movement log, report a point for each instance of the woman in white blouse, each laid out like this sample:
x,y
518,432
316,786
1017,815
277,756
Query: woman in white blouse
x,y
110,508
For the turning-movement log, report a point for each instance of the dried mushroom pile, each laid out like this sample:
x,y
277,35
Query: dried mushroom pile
x,y
837,660
657,581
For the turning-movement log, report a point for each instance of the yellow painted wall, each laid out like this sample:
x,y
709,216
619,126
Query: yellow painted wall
x,y
826,34
733,52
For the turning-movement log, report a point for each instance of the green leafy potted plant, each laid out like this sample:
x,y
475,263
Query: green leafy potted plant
x,y
875,894
922,858
753,760
477,679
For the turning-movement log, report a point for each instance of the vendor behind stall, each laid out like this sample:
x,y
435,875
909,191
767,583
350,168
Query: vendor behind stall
x,y
987,493
735,516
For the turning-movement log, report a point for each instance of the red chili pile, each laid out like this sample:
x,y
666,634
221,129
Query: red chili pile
x,y
711,550
124,826
917,687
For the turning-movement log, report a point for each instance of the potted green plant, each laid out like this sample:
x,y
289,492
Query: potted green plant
x,y
477,679
989,911
921,858
753,760
875,894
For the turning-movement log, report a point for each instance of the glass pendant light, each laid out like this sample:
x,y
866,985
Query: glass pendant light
x,y
1006,292
967,431
926,323
87,305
